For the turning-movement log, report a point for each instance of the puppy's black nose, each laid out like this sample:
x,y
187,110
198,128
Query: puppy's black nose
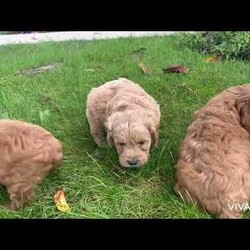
x,y
132,162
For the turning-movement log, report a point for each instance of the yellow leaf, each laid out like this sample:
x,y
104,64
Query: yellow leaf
x,y
216,58
145,69
60,201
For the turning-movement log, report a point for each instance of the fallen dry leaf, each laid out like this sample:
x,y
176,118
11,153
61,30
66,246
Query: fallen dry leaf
x,y
216,58
39,69
60,201
176,69
145,69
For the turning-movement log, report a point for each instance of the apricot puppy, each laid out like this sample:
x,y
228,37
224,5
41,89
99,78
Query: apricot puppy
x,y
127,116
213,169
27,154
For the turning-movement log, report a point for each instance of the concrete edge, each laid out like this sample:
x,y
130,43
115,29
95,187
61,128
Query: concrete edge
x,y
79,35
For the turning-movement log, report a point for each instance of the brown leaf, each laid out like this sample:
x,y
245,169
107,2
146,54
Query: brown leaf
x,y
176,68
39,69
145,69
216,59
60,201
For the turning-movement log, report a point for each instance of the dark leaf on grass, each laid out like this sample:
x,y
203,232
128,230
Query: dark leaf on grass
x,y
137,54
41,69
145,69
176,69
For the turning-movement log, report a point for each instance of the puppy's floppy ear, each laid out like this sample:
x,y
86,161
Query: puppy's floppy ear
x,y
154,132
243,108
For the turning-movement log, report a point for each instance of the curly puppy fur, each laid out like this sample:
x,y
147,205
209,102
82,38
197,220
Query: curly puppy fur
x,y
213,169
27,154
123,112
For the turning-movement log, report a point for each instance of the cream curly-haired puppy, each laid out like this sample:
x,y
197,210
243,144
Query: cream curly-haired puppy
x,y
123,112
213,169
27,154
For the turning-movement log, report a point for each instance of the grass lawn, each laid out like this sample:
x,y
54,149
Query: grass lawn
x,y
56,100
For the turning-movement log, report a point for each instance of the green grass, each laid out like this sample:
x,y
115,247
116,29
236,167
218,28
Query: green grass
x,y
56,101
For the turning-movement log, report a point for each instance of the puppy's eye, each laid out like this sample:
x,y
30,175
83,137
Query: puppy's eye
x,y
122,144
141,143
